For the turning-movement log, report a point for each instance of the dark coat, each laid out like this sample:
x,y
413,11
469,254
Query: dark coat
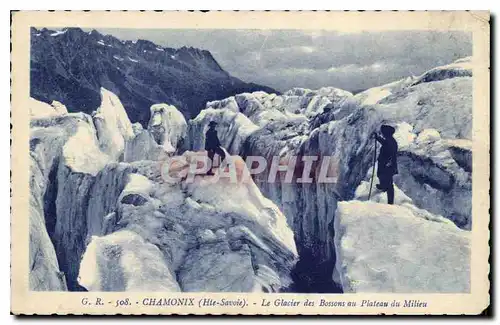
x,y
387,159
211,139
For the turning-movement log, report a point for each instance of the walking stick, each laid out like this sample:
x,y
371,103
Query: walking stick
x,y
373,170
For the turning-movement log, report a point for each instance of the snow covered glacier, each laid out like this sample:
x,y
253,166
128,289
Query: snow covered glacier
x,y
433,117
114,222
104,218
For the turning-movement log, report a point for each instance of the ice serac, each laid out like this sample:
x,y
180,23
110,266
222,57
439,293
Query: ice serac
x,y
443,105
269,125
165,136
44,274
79,161
397,249
112,124
188,236
233,128
460,68
124,261
103,222
168,127
102,194
434,174
432,114
60,168
241,115
40,109
73,65
422,100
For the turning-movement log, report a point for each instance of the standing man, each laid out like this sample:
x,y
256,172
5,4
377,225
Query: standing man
x,y
387,161
212,145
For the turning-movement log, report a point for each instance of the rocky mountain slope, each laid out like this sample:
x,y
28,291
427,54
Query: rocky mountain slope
x,y
71,65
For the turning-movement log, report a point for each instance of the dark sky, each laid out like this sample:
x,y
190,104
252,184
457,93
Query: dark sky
x,y
283,59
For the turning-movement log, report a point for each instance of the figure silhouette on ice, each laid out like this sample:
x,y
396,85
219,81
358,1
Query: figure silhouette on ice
x,y
387,161
212,145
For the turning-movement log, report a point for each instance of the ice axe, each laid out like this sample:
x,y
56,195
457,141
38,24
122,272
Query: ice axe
x,y
373,170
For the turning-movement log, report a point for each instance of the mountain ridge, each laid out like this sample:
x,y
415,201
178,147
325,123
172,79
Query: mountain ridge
x,y
71,65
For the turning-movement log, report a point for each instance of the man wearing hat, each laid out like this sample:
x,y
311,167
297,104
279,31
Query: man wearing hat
x,y
212,145
387,161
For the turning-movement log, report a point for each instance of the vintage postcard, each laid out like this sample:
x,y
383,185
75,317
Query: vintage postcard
x,y
252,163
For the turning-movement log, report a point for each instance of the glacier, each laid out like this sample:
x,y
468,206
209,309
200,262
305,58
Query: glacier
x,y
432,113
168,126
112,125
103,218
193,231
114,222
393,248
40,109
